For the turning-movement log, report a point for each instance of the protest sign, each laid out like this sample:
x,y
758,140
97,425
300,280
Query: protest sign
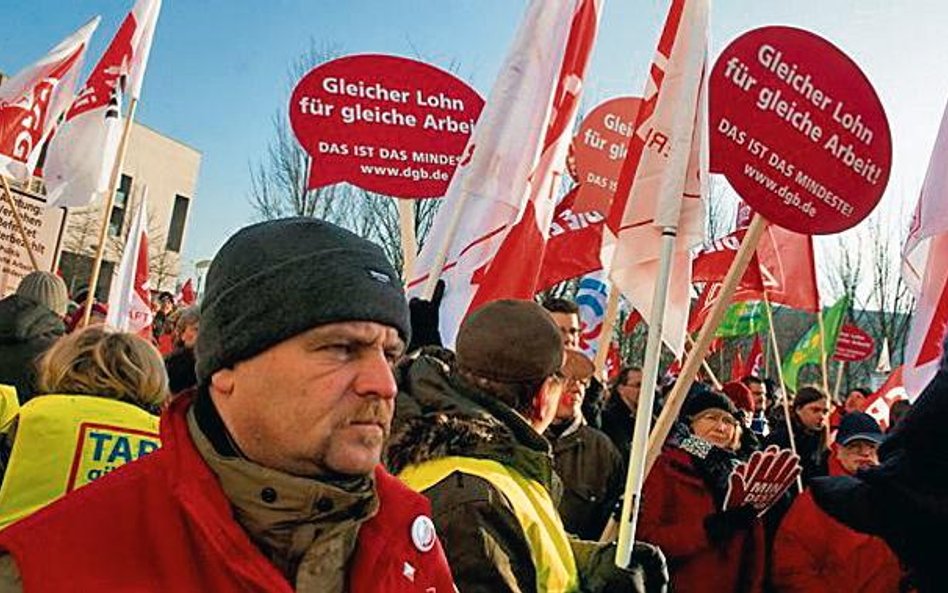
x,y
798,130
853,344
762,479
44,229
387,124
599,149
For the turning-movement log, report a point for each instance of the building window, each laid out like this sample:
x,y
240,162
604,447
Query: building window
x,y
179,216
119,206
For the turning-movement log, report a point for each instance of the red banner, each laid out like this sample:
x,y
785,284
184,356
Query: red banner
x,y
798,130
853,344
386,124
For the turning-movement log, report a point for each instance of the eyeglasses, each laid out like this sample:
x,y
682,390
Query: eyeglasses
x,y
716,417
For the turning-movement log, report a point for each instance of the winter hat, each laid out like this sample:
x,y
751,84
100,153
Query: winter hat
x,y
807,395
740,396
858,426
276,279
700,400
46,289
510,341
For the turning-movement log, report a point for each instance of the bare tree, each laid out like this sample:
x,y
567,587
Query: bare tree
x,y
890,295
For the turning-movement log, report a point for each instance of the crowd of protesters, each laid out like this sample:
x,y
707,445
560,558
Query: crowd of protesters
x,y
303,429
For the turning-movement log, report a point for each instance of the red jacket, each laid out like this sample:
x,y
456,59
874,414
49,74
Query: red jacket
x,y
675,502
164,524
814,553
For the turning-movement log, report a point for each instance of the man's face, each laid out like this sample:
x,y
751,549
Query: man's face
x,y
858,455
569,328
319,402
759,393
855,402
165,305
814,414
571,400
629,391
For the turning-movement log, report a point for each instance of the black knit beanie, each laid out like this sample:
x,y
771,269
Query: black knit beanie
x,y
699,400
276,279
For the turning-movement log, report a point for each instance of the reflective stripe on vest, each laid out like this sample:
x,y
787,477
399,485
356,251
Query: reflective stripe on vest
x,y
549,546
64,442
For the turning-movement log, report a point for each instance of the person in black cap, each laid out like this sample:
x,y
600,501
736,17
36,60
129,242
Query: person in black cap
x,y
268,478
813,552
469,437
904,500
708,549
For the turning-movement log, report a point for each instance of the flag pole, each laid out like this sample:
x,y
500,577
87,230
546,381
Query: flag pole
x,y
406,220
19,222
823,365
635,476
110,200
608,326
839,379
677,396
783,386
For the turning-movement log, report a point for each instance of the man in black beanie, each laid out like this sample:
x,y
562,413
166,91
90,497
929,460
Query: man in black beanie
x,y
269,471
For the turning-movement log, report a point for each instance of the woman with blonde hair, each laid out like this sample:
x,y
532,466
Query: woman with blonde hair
x,y
100,389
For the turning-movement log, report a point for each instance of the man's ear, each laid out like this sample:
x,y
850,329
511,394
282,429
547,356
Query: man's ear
x,y
222,383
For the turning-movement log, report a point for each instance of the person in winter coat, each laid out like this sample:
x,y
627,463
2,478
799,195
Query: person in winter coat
x,y
708,550
813,553
618,414
268,478
91,378
469,438
904,500
180,363
809,416
590,466
31,320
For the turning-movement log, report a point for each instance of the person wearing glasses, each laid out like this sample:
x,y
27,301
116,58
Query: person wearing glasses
x,y
708,549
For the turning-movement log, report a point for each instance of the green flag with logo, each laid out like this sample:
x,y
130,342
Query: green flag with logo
x,y
807,350
743,319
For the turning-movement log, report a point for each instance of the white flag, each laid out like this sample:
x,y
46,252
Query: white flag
x,y
925,270
129,296
83,151
664,178
492,185
32,101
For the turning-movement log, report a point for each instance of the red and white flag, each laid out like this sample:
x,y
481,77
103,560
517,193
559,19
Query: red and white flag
x,y
186,295
129,295
505,183
925,270
879,404
574,242
82,152
754,365
663,181
32,101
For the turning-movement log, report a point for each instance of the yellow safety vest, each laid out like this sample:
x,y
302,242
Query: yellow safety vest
x,y
549,546
64,442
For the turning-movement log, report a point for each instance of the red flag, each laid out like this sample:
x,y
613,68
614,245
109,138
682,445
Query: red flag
x,y
925,269
633,321
186,296
32,101
737,366
613,361
754,365
573,247
880,403
514,272
513,162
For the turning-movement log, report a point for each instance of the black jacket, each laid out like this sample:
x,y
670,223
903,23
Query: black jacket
x,y
593,475
814,456
27,330
181,372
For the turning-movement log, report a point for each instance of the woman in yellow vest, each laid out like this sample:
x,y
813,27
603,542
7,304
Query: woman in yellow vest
x,y
469,437
99,391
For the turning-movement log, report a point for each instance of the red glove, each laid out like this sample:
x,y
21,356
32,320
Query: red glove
x,y
762,480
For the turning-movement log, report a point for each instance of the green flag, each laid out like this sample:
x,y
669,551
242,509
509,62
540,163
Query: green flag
x,y
743,319
807,350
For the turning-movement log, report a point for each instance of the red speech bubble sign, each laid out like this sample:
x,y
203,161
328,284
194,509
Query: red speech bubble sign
x,y
387,124
599,147
798,130
853,344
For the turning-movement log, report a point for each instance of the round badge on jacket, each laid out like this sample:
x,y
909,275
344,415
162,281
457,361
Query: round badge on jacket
x,y
423,533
